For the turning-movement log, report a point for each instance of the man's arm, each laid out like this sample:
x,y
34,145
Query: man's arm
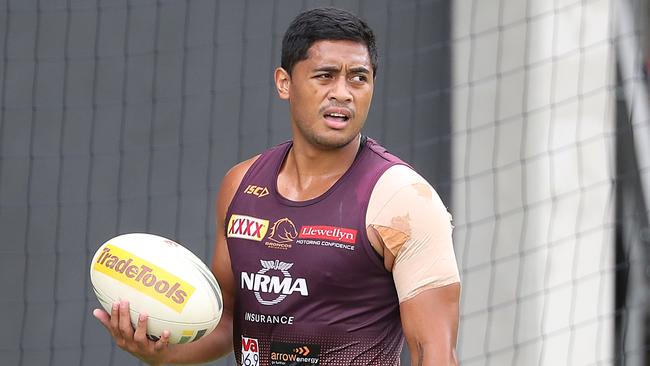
x,y
411,229
214,345
430,324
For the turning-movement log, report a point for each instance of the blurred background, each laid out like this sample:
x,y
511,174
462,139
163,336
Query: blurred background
x,y
529,117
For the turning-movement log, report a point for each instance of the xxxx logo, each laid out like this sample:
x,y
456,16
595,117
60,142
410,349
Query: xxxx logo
x,y
247,227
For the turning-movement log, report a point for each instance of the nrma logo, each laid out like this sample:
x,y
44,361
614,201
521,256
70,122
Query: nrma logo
x,y
269,287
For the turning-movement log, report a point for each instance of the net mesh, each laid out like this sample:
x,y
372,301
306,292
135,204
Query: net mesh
x,y
534,164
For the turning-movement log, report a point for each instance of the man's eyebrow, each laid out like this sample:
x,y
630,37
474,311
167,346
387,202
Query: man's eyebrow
x,y
360,69
328,68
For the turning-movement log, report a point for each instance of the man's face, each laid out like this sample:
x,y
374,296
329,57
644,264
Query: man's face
x,y
330,93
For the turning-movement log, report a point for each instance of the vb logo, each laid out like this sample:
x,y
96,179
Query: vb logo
x,y
250,354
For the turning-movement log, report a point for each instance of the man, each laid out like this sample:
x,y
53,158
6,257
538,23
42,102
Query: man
x,y
329,249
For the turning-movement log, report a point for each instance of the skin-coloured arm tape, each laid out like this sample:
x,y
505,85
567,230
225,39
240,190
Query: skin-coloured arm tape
x,y
416,228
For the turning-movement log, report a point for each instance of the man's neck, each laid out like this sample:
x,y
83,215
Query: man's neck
x,y
309,172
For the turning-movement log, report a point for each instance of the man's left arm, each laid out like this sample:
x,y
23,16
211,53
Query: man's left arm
x,y
411,229
430,324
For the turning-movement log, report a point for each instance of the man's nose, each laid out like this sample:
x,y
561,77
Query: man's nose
x,y
340,91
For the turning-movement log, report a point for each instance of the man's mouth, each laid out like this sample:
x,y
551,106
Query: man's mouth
x,y
339,117
337,114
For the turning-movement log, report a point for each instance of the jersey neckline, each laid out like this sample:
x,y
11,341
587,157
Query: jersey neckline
x,y
285,201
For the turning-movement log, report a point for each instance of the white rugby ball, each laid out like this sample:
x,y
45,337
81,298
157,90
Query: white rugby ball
x,y
161,278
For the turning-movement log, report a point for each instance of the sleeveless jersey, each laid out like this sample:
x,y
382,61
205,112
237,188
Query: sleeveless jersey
x,y
310,288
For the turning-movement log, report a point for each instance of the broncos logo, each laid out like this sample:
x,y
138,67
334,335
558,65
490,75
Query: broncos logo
x,y
283,231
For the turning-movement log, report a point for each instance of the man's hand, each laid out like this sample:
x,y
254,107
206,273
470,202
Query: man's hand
x,y
118,324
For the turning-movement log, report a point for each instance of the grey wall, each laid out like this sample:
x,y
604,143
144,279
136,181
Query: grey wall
x,y
122,116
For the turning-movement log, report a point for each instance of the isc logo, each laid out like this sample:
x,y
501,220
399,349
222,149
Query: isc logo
x,y
256,190
247,227
250,354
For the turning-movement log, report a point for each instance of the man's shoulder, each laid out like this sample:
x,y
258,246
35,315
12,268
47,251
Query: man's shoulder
x,y
399,176
401,183
232,179
239,170
382,152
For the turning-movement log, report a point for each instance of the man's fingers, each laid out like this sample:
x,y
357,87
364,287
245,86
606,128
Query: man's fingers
x,y
125,327
115,317
163,341
133,341
103,318
140,334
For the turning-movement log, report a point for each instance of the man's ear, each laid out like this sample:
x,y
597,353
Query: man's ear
x,y
282,82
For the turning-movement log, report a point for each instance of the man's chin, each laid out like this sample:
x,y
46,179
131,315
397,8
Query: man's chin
x,y
334,142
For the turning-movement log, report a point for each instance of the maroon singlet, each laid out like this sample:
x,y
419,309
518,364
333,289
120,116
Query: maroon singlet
x,y
310,288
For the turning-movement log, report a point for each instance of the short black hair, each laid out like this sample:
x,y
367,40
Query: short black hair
x,y
324,24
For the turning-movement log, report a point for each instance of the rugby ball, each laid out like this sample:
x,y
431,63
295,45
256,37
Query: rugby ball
x,y
161,278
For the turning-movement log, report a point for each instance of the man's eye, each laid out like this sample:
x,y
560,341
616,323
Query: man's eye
x,y
360,78
323,76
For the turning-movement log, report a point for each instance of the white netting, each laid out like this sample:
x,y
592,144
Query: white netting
x,y
533,180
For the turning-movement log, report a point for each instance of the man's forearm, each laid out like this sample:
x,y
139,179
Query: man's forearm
x,y
428,355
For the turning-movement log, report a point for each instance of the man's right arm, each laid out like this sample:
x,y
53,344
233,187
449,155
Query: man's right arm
x,y
216,344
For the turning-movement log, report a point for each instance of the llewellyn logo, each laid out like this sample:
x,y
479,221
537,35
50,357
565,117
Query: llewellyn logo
x,y
263,284
143,276
339,234
247,227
